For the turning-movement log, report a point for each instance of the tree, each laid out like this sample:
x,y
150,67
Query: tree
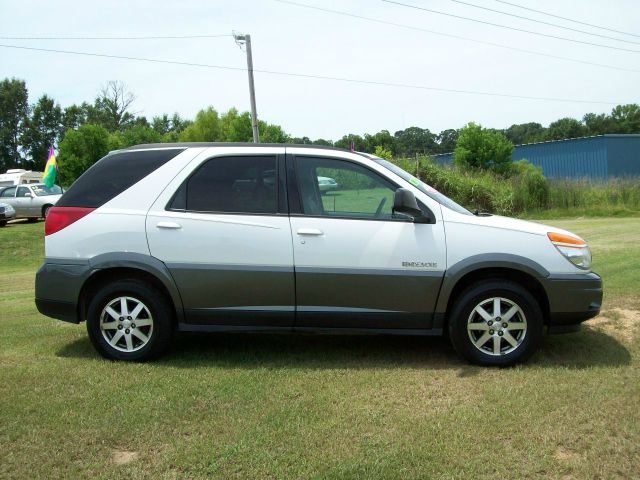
x,y
626,118
414,140
75,115
358,141
272,133
382,138
483,148
525,133
237,127
205,128
14,110
111,108
565,128
382,152
42,131
81,148
447,140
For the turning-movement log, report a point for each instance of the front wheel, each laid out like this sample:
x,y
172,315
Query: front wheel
x,y
496,322
129,320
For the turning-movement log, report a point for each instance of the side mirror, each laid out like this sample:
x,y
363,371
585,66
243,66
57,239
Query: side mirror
x,y
404,201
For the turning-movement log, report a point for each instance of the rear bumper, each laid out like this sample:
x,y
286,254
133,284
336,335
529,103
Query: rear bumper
x,y
58,288
573,299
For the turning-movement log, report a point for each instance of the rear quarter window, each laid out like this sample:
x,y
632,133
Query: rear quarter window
x,y
112,175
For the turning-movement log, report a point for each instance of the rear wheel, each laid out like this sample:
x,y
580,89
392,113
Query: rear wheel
x,y
3,223
45,211
130,320
496,322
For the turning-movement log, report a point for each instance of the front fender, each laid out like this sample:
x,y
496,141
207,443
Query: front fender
x,y
480,262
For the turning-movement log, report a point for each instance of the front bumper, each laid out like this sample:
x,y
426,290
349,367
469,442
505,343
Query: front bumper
x,y
573,298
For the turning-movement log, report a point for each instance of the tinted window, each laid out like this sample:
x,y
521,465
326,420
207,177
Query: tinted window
x,y
8,192
343,189
112,175
22,192
231,184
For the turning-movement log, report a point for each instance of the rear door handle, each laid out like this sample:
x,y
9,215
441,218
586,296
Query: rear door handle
x,y
172,225
310,231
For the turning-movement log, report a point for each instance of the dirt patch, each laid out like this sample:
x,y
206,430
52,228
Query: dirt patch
x,y
618,321
122,457
563,454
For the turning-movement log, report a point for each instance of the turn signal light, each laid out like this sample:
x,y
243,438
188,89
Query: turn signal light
x,y
566,239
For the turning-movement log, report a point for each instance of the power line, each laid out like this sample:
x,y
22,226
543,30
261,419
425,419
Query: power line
x,y
457,37
543,22
557,37
567,19
311,76
171,37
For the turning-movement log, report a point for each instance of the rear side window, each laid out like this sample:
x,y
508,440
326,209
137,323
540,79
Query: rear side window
x,y
8,192
112,175
231,185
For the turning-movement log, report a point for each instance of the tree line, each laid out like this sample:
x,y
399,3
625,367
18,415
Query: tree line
x,y
84,133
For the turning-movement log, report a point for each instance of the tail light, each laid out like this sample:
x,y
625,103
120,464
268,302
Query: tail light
x,y
61,217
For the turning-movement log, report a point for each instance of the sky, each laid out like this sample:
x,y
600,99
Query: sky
x,y
294,39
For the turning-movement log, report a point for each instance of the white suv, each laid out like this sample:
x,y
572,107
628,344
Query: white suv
x,y
230,237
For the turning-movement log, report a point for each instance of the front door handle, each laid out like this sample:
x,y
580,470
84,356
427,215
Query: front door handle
x,y
310,231
172,225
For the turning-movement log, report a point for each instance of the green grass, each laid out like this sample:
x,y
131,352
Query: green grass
x,y
249,406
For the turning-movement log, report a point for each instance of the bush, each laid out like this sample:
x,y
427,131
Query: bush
x,y
484,149
530,187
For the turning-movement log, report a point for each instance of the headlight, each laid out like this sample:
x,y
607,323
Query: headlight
x,y
573,248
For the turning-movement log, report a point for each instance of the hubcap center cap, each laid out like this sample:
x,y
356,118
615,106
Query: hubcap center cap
x,y
126,323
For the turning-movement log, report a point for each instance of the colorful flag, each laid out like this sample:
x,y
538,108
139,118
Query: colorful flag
x,y
50,170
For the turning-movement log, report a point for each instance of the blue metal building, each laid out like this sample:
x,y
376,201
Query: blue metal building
x,y
597,158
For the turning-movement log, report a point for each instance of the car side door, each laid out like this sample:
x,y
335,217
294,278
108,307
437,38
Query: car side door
x,y
357,264
222,229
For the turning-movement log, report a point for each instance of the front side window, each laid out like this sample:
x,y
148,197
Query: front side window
x,y
338,188
23,192
231,185
9,192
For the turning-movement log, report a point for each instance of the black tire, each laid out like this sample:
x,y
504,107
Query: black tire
x,y
45,211
159,309
3,223
511,293
32,219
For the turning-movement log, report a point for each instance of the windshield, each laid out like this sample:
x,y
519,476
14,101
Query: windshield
x,y
423,187
42,190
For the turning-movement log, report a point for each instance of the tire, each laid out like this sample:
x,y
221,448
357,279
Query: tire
x,y
153,309
32,219
488,341
3,223
45,211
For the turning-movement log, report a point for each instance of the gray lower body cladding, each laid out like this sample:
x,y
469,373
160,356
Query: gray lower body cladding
x,y
309,298
240,295
58,287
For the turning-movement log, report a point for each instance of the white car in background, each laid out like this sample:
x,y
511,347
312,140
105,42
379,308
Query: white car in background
x,y
6,213
327,184
31,201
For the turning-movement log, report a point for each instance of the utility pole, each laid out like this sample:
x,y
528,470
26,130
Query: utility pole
x,y
246,41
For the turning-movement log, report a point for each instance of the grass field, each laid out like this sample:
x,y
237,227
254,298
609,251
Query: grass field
x,y
249,406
